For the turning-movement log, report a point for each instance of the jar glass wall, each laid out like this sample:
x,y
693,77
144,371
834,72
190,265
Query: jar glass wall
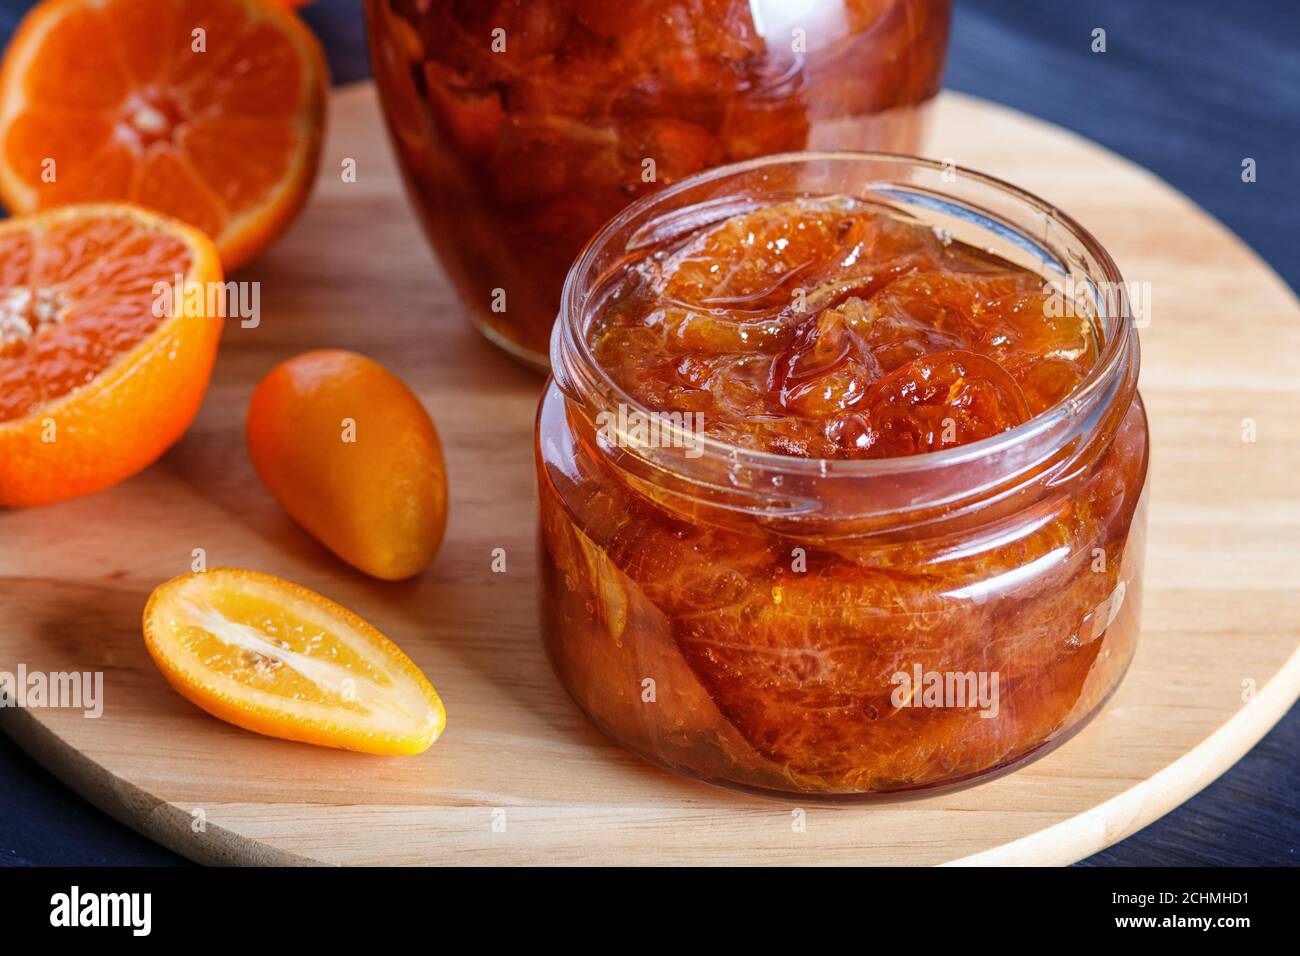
x,y
778,623
522,128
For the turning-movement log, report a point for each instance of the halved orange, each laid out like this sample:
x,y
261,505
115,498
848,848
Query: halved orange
x,y
99,373
211,111
275,658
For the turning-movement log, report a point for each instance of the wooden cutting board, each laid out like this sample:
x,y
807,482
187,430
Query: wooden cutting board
x,y
520,776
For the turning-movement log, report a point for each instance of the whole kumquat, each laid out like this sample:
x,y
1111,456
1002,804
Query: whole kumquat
x,y
351,454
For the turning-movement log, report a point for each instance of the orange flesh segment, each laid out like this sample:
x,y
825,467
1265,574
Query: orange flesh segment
x,y
78,69
241,155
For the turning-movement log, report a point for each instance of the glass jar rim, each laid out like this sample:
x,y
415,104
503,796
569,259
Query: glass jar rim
x,y
577,372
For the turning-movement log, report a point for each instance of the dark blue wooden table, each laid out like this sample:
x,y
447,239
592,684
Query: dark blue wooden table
x,y
1186,89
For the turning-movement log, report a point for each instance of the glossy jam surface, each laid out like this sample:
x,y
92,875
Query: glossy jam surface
x,y
524,126
824,329
834,651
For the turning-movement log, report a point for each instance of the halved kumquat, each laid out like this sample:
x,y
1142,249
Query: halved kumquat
x,y
276,658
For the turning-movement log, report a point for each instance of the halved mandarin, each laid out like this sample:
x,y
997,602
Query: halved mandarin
x,y
211,111
104,353
278,659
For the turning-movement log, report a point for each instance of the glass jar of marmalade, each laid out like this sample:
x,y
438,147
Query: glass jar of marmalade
x,y
522,127
841,477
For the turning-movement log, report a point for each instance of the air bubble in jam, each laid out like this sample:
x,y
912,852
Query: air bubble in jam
x,y
829,329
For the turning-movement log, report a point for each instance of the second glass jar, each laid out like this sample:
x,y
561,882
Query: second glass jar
x,y
522,127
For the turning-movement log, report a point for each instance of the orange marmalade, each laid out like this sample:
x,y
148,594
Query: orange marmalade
x,y
841,477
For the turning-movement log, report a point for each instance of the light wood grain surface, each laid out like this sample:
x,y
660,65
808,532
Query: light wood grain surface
x,y
519,776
